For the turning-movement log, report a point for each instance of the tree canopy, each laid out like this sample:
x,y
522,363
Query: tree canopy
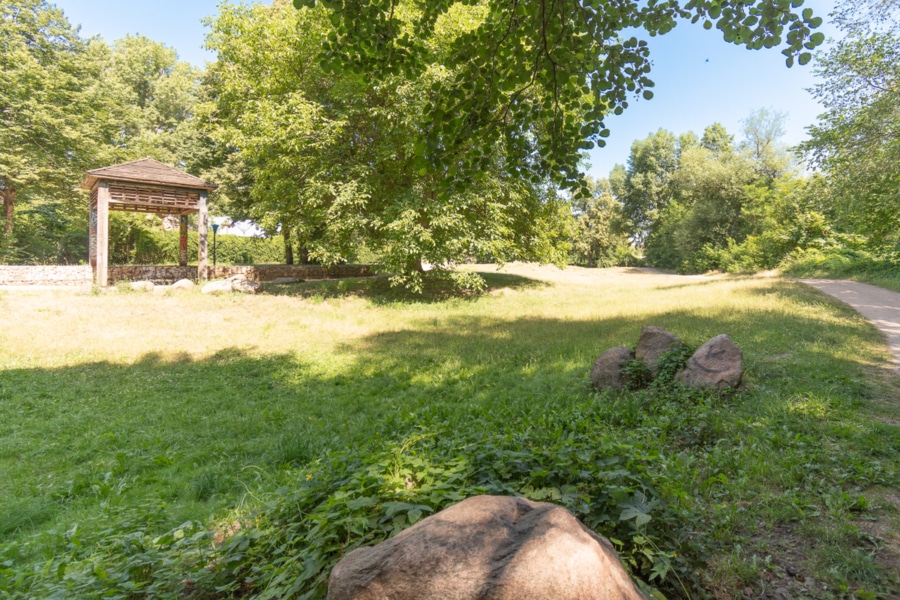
x,y
68,104
567,64
332,155
695,204
41,78
857,140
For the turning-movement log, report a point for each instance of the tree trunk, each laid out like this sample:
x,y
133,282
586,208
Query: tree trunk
x,y
416,265
304,255
288,247
9,208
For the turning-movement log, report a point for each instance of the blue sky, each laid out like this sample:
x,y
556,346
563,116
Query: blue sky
x,y
699,78
175,23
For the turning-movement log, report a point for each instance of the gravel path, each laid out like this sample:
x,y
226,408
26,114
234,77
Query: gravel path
x,y
880,306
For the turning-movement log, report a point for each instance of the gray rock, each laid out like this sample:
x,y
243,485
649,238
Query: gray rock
x,y
183,284
607,370
487,548
286,280
244,286
652,343
718,363
216,287
142,286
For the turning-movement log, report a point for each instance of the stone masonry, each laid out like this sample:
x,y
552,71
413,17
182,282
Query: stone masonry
x,y
46,275
168,274
259,273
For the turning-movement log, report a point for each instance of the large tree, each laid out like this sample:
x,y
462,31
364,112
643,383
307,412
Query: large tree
x,y
43,75
69,104
857,139
710,188
569,63
644,186
333,155
150,96
599,239
685,199
763,131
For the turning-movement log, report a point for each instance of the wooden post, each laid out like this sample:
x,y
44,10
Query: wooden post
x,y
182,246
92,236
103,234
203,231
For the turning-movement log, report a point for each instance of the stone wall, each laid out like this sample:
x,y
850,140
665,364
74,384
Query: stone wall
x,y
46,275
167,274
158,274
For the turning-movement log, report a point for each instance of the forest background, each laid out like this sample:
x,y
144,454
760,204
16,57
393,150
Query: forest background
x,y
329,163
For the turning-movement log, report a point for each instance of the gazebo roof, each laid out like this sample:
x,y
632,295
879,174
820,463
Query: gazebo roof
x,y
146,171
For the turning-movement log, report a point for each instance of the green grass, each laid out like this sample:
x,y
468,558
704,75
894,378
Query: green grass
x,y
130,414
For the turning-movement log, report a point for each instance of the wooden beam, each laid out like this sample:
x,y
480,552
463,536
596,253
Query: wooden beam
x,y
203,231
102,272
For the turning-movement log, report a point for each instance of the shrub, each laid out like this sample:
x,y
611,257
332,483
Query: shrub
x,y
152,246
46,233
843,261
707,258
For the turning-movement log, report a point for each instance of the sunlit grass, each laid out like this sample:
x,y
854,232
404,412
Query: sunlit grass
x,y
204,404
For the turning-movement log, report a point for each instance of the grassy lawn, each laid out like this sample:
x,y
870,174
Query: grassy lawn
x,y
123,416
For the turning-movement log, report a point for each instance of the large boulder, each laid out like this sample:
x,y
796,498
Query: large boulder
x,y
608,369
487,548
718,363
244,286
652,343
222,286
183,284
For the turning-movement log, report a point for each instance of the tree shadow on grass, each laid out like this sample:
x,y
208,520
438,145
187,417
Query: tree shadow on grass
x,y
201,434
378,289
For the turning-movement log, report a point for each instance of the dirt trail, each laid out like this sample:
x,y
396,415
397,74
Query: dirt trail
x,y
880,306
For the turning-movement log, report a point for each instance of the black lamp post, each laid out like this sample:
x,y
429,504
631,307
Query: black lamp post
x,y
215,228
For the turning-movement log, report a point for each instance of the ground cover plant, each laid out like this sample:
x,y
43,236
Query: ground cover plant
x,y
213,447
879,267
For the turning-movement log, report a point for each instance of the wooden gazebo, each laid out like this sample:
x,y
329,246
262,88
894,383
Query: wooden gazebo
x,y
147,186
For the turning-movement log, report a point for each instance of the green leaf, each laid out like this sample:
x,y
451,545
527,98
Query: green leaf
x,y
660,569
364,502
640,517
